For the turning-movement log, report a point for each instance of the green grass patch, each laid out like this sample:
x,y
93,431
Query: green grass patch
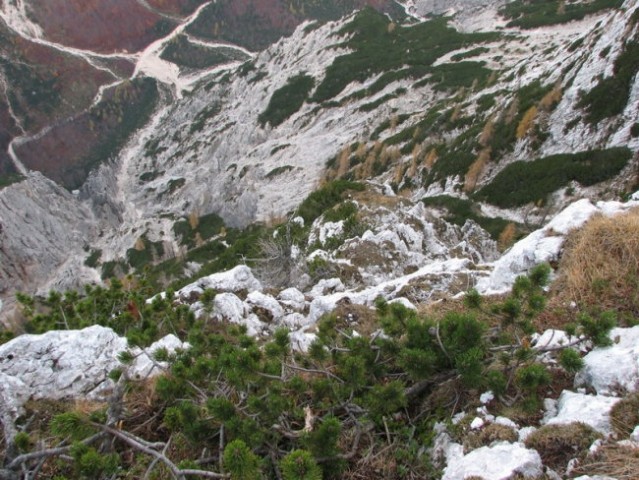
x,y
279,171
93,260
191,55
6,180
457,75
524,182
207,226
538,13
469,54
610,96
326,197
460,210
287,100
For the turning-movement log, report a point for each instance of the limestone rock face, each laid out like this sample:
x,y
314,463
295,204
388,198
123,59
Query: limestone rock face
x,y
70,364
43,230
60,364
499,462
609,369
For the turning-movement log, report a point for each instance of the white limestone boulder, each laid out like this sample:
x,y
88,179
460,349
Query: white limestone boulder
x,y
228,306
60,364
607,369
501,461
266,304
64,364
593,410
234,280
292,298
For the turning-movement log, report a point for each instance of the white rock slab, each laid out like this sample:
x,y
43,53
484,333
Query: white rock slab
x,y
593,410
266,302
608,368
500,462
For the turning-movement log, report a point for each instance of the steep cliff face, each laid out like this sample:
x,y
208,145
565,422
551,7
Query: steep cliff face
x,y
436,108
43,230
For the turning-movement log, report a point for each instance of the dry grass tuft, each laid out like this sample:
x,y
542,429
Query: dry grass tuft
x,y
487,435
358,317
624,415
144,410
87,407
600,264
558,444
373,199
614,461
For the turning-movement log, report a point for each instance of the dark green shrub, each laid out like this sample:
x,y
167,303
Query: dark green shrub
x,y
460,210
537,13
524,182
240,462
287,100
610,96
326,197
529,379
279,170
376,48
192,55
93,259
597,327
469,54
571,360
300,465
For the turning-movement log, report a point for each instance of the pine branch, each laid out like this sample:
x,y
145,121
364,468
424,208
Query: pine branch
x,y
50,452
311,370
149,448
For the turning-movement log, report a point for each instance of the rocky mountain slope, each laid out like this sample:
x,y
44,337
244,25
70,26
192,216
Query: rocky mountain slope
x,y
310,222
444,108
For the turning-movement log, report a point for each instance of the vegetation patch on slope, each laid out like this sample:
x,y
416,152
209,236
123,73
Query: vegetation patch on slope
x,y
356,400
460,210
287,100
378,46
257,24
8,179
610,96
326,197
524,182
538,13
185,53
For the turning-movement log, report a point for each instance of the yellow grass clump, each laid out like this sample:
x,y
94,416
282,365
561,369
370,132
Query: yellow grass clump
x,y
600,264
614,460
476,169
527,122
